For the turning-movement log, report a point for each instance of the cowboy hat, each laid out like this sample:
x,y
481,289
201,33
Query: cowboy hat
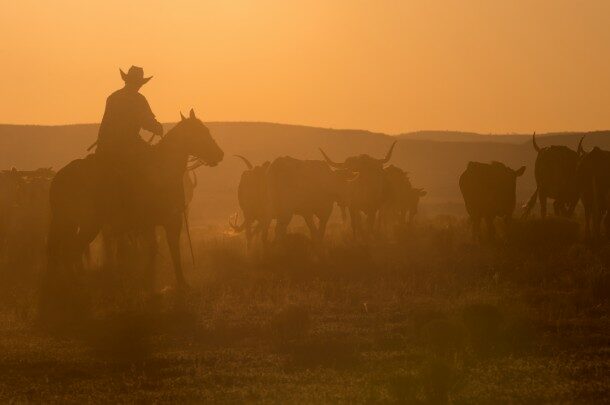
x,y
135,75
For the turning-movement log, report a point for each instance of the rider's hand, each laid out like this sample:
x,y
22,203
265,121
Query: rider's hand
x,y
158,130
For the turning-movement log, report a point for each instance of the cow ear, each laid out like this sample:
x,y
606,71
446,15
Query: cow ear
x,y
192,114
520,172
182,117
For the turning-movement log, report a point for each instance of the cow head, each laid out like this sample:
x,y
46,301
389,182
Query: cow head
x,y
360,163
368,189
344,181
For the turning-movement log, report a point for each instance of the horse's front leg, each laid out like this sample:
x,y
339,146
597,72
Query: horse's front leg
x,y
149,237
172,231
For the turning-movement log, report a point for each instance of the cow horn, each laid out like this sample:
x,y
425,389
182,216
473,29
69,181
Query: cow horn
x,y
330,162
246,161
580,150
388,155
534,142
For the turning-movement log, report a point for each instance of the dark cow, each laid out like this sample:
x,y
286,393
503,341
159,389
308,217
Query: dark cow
x,y
555,173
593,175
400,198
11,198
367,192
252,198
303,187
489,191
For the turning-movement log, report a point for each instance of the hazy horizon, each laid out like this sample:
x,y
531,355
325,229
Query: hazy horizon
x,y
410,132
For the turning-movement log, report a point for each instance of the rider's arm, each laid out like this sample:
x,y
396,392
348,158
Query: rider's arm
x,y
148,120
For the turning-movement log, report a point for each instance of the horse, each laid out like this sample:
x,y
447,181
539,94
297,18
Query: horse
x,y
91,193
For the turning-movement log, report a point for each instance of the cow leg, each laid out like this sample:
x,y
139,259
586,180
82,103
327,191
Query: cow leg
x,y
356,222
313,230
264,230
343,214
559,208
322,226
542,199
249,234
571,207
411,216
587,222
491,229
370,223
86,235
281,226
172,232
595,223
606,222
476,228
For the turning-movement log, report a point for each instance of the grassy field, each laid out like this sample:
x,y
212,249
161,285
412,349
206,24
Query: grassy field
x,y
427,317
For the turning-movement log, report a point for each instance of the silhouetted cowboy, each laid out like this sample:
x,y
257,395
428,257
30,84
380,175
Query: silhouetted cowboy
x,y
127,111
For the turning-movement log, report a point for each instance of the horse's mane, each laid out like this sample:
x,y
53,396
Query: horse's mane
x,y
169,134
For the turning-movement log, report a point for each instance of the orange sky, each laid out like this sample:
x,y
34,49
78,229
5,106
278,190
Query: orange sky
x,y
393,66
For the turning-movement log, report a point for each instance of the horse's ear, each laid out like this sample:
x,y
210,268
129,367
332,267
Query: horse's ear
x,y
182,117
192,114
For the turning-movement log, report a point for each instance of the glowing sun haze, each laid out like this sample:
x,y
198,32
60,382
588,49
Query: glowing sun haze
x,y
488,66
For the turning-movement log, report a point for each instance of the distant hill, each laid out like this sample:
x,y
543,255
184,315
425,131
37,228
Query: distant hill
x,y
456,136
433,159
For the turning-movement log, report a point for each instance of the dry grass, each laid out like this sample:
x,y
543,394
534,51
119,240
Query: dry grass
x,y
429,318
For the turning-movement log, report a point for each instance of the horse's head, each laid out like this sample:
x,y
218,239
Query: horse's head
x,y
196,140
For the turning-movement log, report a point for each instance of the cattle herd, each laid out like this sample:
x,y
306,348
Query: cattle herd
x,y
372,194
381,196
564,175
360,186
24,212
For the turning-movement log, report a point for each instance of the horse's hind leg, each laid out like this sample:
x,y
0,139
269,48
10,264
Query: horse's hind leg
x,y
172,232
152,247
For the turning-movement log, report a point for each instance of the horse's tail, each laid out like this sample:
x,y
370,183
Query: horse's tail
x,y
53,245
48,287
59,300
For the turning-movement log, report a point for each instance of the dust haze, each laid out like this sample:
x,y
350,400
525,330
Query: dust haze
x,y
256,206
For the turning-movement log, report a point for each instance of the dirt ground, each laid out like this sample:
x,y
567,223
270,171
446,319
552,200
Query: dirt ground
x,y
426,316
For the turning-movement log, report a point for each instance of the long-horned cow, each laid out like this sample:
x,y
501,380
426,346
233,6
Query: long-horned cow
x,y
555,173
367,192
593,175
252,198
303,187
489,191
